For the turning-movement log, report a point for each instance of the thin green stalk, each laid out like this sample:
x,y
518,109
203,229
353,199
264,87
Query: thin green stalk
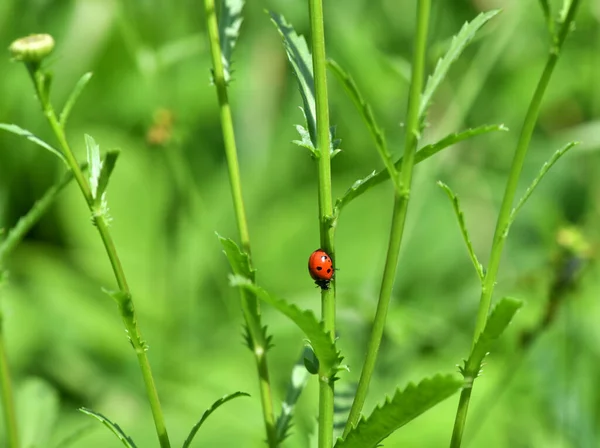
x,y
8,402
399,213
503,221
125,303
326,384
250,306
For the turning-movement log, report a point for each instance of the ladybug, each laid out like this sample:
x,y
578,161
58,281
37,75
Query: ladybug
x,y
320,268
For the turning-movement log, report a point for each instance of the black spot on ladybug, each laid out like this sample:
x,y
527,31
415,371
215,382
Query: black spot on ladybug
x,y
328,271
319,268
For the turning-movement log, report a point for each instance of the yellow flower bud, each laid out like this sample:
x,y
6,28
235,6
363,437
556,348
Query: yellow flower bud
x,y
32,48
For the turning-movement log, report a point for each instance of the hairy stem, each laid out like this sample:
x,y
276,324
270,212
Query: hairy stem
x,y
399,214
250,306
126,308
326,384
503,220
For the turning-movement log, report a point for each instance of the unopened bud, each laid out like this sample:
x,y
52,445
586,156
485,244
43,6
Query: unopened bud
x,y
32,48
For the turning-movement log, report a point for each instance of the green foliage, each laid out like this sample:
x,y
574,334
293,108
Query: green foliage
x,y
108,165
238,260
500,317
13,128
322,343
545,168
463,228
113,427
459,43
301,61
367,115
297,383
230,22
405,406
216,405
376,177
83,81
37,411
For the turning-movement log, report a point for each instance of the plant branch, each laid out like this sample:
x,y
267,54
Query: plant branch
x,y
504,216
250,306
399,213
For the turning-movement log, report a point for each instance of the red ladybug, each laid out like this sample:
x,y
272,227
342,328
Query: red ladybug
x,y
321,268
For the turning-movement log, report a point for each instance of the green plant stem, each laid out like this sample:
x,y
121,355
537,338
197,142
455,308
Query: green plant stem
x,y
399,214
125,305
250,306
503,221
327,231
8,402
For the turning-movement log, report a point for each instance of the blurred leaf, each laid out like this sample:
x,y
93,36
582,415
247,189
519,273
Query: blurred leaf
x,y
239,261
32,138
406,405
209,411
545,4
114,428
301,61
342,403
230,22
459,43
25,223
463,228
64,115
321,341
497,322
367,114
38,408
107,167
75,436
545,168
297,383
377,177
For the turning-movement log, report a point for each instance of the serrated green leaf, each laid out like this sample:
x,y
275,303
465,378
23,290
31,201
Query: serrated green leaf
x,y
463,228
26,222
458,44
38,407
367,114
376,177
322,343
106,169
213,408
114,428
301,62
298,381
543,171
13,128
497,322
230,22
64,115
239,261
405,406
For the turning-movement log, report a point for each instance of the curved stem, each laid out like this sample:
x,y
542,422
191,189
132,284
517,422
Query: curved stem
x,y
250,306
503,221
327,231
399,214
126,308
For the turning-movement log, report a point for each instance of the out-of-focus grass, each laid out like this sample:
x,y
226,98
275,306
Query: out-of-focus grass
x,y
168,199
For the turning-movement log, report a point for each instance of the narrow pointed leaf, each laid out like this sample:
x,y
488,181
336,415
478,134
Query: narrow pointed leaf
x,y
32,138
230,22
113,427
463,228
458,44
209,411
405,406
377,177
321,341
367,114
497,322
94,162
106,169
301,62
239,261
73,97
26,222
298,381
543,171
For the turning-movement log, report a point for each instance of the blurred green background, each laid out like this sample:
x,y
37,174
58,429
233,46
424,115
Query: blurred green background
x,y
150,96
